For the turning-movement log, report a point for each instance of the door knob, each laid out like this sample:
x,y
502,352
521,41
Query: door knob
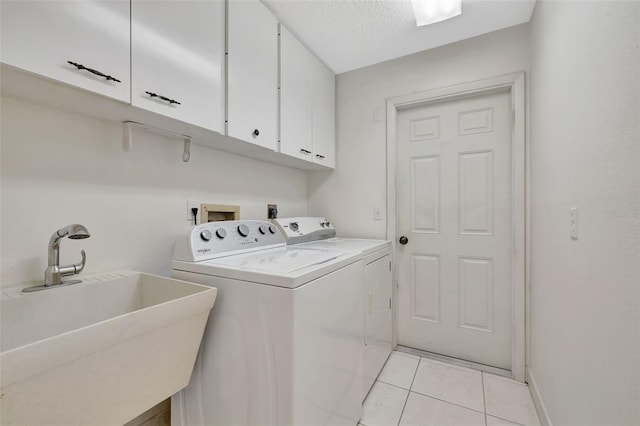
x,y
403,240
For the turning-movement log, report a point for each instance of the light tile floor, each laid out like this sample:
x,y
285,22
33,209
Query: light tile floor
x,y
413,391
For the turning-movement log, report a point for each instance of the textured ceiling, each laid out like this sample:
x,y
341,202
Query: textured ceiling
x,y
350,34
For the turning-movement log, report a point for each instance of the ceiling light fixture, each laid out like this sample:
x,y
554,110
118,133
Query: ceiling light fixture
x,y
432,11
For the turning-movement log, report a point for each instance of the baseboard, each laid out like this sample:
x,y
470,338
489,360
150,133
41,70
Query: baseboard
x,y
537,400
455,361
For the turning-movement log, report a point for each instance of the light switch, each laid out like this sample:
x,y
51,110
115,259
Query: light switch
x,y
377,115
377,213
573,223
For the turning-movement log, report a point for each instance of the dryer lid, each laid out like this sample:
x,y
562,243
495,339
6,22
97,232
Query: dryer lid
x,y
365,246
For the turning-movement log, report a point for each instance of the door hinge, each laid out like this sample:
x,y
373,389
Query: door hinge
x,y
389,303
389,265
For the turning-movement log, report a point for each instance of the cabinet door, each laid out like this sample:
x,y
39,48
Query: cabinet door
x,y
324,123
378,328
177,59
252,73
45,36
297,67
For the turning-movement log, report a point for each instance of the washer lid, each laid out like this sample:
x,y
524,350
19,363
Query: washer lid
x,y
286,266
281,261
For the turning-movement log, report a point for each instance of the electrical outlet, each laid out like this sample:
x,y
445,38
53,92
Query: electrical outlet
x,y
272,211
573,223
190,205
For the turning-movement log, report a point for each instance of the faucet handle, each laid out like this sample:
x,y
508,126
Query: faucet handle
x,y
80,266
74,268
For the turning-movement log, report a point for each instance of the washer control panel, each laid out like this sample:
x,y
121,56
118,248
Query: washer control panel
x,y
304,229
218,239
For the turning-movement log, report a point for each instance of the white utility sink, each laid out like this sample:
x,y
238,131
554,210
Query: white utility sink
x,y
100,352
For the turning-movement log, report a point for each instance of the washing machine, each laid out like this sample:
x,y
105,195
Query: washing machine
x,y
284,344
319,232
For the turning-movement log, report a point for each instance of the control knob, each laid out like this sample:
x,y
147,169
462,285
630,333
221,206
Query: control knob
x,y
205,235
221,233
243,230
293,226
272,229
262,229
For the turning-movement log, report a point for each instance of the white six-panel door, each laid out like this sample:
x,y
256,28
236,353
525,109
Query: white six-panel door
x,y
455,208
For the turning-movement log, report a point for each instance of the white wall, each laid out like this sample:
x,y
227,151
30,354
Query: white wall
x,y
585,152
348,195
59,168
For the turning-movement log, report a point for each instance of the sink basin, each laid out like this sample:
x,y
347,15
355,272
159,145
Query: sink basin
x,y
100,352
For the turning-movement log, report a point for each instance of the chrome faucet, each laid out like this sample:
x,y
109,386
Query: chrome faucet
x,y
54,273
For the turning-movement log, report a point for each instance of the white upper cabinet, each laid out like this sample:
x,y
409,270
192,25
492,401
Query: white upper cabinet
x,y
81,43
324,116
307,103
252,73
296,97
196,67
177,60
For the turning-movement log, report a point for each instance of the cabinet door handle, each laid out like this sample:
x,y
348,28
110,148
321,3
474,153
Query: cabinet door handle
x,y
305,151
92,71
320,156
164,98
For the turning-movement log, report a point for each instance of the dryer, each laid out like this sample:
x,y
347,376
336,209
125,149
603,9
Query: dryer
x,y
319,232
284,344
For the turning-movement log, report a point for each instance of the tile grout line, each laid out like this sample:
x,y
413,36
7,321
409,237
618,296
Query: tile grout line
x,y
392,385
415,373
485,405
406,356
449,402
403,407
409,393
484,399
507,420
378,379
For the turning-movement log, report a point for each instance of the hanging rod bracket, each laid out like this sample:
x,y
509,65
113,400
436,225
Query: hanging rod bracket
x,y
186,154
127,138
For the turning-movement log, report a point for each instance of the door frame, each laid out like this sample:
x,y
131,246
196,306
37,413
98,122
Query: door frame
x,y
514,84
